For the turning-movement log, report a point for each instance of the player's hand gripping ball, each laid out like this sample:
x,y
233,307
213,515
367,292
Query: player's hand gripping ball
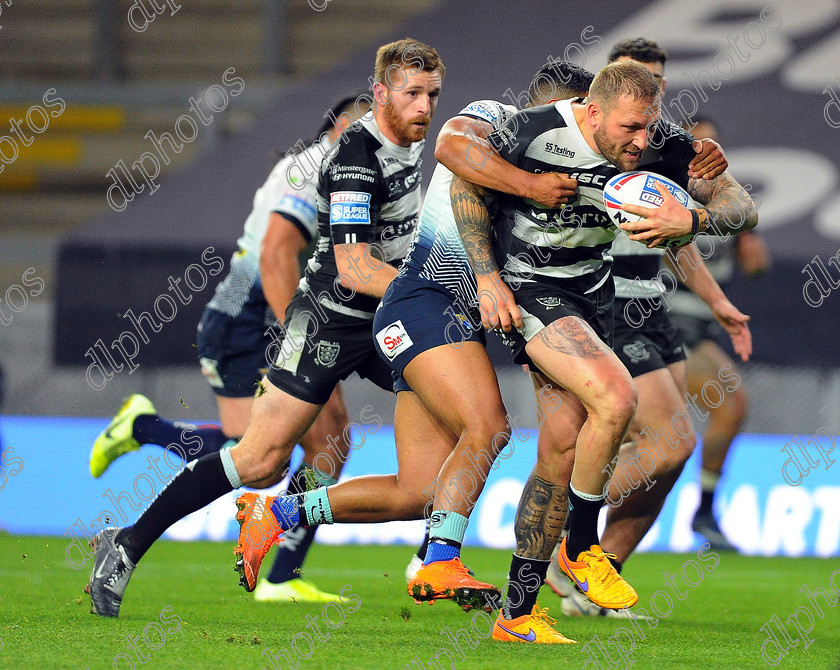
x,y
638,188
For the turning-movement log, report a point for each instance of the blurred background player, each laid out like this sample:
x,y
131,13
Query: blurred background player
x,y
701,334
235,336
644,51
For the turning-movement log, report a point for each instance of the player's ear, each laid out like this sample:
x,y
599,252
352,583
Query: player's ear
x,y
663,85
381,93
593,114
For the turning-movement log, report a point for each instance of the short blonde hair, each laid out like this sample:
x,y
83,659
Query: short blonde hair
x,y
620,78
407,53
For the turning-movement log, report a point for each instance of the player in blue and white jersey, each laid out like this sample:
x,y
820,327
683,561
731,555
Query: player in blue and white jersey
x,y
368,203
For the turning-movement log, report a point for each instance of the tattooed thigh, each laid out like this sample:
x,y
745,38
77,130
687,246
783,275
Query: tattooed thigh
x,y
571,335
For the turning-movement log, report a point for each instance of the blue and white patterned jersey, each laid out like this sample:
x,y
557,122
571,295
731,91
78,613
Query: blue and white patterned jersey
x,y
437,252
290,190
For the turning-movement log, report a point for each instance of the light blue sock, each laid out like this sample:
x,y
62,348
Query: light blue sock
x,y
316,507
446,536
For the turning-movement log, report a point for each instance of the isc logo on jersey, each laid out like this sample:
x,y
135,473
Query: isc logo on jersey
x,y
349,207
393,339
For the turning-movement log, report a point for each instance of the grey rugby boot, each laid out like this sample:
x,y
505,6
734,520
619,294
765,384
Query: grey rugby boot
x,y
111,572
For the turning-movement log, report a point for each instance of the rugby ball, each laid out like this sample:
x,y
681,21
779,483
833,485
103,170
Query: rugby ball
x,y
638,188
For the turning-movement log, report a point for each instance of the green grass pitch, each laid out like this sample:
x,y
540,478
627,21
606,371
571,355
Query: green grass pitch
x,y
184,596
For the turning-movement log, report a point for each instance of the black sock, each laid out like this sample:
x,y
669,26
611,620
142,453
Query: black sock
x,y
291,552
192,441
525,578
421,552
616,564
193,488
583,524
706,500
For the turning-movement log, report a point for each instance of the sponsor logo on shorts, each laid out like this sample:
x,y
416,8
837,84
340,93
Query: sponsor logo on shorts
x,y
327,353
550,302
393,340
463,321
209,368
636,351
349,207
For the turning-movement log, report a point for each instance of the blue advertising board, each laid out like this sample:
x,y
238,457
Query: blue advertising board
x,y
767,504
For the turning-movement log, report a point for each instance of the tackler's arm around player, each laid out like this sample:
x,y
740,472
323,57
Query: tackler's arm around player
x,y
496,304
463,149
710,160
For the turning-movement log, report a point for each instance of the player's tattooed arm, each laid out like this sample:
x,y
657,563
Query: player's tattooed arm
x,y
540,517
473,220
728,208
496,304
570,335
463,148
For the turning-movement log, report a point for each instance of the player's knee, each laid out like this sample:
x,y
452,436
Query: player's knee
x,y
617,403
675,458
489,432
734,409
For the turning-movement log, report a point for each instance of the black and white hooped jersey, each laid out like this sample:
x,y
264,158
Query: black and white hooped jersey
x,y
437,253
368,192
568,246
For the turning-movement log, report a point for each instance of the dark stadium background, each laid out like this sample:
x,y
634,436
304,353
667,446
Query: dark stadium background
x,y
71,268
773,105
